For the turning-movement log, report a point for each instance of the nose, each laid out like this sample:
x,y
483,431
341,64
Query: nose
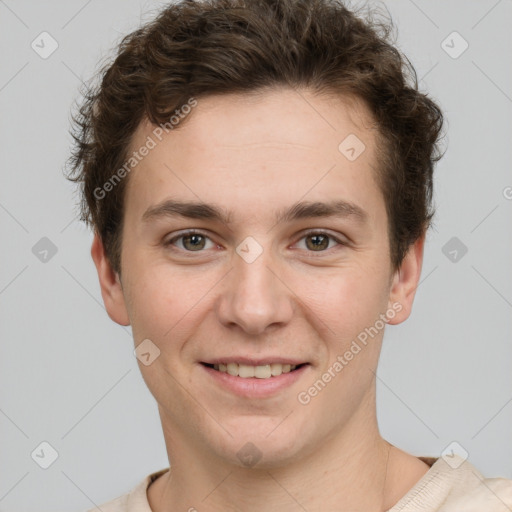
x,y
254,296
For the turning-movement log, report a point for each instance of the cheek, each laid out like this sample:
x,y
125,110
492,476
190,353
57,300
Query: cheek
x,y
347,299
163,302
347,308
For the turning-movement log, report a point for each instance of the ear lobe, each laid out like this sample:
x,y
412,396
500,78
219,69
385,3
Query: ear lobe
x,y
405,282
110,284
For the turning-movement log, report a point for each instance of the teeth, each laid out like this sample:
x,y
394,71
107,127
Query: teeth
x,y
246,371
261,372
233,369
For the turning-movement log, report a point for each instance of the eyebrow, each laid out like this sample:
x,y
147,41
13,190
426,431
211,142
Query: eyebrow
x,y
302,210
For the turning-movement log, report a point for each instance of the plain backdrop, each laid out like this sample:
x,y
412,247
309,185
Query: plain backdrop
x,y
68,376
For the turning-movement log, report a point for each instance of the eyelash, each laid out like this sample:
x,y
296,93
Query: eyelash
x,y
169,243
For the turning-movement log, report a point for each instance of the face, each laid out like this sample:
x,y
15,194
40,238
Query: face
x,y
288,264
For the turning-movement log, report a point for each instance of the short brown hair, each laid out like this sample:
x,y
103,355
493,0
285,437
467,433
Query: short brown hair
x,y
199,48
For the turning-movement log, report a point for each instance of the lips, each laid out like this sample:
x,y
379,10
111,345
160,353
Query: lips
x,y
255,381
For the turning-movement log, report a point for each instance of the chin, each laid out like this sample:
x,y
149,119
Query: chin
x,y
261,443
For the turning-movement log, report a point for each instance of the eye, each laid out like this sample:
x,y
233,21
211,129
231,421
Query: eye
x,y
191,241
196,241
319,241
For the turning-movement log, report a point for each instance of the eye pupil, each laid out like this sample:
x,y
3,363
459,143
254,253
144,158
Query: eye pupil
x,y
194,238
320,241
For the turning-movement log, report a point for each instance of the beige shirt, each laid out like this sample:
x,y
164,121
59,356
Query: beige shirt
x,y
453,486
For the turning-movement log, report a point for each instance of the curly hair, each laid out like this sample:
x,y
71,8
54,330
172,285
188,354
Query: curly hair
x,y
199,48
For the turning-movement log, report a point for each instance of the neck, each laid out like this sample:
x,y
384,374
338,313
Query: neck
x,y
357,478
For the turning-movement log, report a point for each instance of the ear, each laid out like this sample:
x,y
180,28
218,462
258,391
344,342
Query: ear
x,y
110,283
405,281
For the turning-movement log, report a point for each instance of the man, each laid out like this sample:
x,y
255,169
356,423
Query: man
x,y
259,179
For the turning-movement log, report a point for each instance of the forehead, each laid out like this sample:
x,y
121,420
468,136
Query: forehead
x,y
274,145
280,116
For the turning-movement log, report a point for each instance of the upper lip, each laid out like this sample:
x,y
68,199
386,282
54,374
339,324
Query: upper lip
x,y
260,361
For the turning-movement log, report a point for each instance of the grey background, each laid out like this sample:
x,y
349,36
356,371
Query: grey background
x,y
67,372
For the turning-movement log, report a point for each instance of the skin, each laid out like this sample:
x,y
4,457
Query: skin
x,y
254,155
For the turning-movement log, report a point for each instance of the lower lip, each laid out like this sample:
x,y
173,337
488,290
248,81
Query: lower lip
x,y
253,387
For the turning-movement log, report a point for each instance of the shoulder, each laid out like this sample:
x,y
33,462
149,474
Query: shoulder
x,y
454,485
489,494
135,500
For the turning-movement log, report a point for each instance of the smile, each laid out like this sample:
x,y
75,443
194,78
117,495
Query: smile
x,y
257,381
246,371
